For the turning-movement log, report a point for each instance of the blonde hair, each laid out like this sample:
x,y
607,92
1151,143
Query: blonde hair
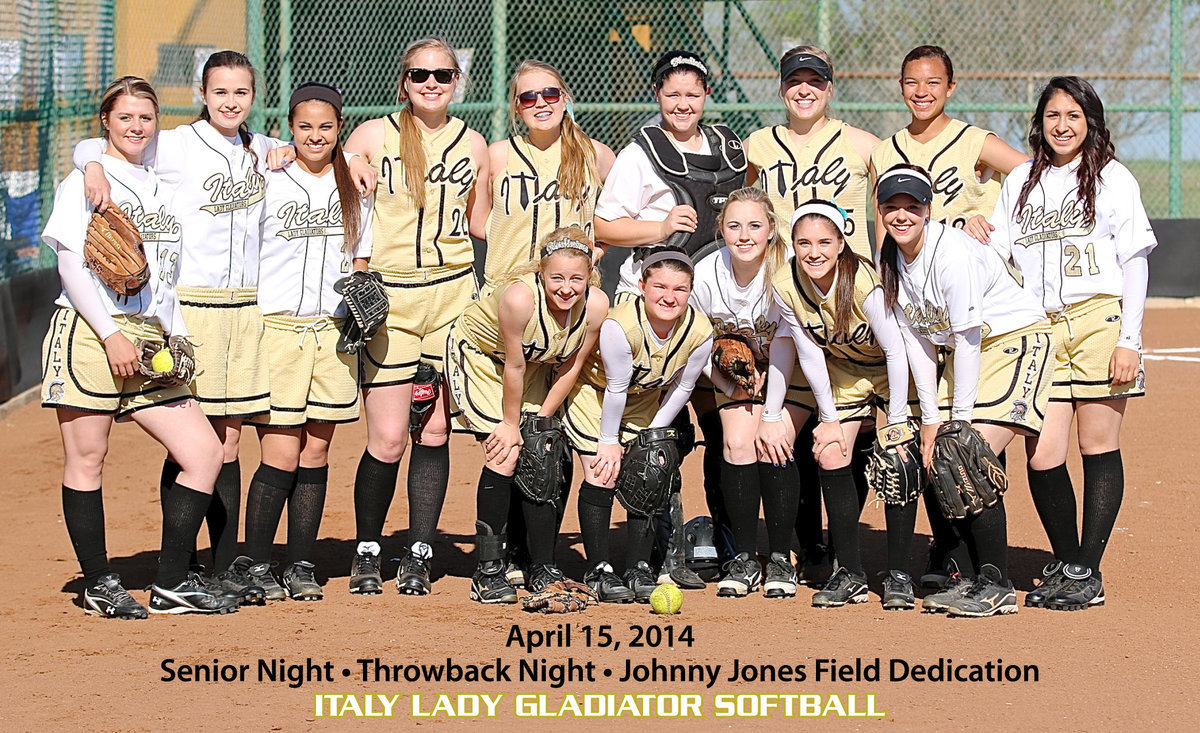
x,y
133,86
412,155
578,160
775,257
539,265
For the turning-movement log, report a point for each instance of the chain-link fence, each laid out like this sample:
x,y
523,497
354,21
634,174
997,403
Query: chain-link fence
x,y
57,55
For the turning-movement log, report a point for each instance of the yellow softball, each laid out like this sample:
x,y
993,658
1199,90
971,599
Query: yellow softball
x,y
162,361
666,599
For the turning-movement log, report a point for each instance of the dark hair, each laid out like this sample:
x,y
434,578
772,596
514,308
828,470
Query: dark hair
x,y
847,272
678,62
348,196
929,52
889,251
1097,149
231,60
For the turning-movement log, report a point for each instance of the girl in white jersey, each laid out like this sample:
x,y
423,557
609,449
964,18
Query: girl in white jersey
x,y
315,230
1072,222
951,294
90,369
214,168
428,204
733,288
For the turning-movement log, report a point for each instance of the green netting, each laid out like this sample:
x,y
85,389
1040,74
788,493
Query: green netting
x,y
56,57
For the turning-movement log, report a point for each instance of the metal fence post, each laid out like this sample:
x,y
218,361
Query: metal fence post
x,y
499,66
1174,170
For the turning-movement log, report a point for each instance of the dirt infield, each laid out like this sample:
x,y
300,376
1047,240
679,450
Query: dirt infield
x,y
1130,663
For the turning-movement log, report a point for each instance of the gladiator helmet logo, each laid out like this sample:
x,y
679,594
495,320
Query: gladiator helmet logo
x,y
1140,380
1019,409
56,391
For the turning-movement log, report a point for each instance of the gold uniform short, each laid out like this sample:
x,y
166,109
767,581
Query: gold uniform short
x,y
1014,379
422,306
76,374
232,373
584,406
476,383
1085,335
310,378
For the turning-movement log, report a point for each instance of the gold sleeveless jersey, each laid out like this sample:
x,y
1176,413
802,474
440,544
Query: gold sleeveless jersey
x,y
950,158
826,167
818,316
654,366
408,238
527,205
544,340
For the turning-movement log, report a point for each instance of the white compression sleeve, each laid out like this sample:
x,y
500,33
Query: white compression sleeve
x,y
81,290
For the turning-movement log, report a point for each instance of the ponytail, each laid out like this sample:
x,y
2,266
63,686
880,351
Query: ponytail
x,y
348,196
889,270
843,299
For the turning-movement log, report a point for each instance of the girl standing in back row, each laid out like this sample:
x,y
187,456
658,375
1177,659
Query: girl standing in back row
x,y
427,207
1072,222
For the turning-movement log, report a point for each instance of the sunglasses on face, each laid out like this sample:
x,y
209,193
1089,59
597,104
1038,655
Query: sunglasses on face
x,y
550,94
441,76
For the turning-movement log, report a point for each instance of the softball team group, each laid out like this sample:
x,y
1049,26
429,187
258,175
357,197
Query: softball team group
x,y
1016,307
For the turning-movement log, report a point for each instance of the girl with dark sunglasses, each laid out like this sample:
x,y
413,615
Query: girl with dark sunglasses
x,y
427,206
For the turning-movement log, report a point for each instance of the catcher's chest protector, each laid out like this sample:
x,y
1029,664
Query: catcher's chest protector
x,y
701,181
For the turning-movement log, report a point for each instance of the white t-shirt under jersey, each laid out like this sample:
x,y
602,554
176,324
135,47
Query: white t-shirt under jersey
x,y
303,252
634,190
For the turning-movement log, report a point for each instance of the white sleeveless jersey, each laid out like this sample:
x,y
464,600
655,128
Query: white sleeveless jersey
x,y
140,194
1062,258
303,250
956,283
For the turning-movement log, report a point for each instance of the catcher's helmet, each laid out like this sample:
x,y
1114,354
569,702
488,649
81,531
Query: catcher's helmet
x,y
706,547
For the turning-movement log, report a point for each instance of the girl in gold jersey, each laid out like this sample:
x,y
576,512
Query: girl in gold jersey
x,y
965,162
426,208
514,355
813,155
542,180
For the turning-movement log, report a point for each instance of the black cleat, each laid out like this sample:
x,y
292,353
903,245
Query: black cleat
x,y
107,598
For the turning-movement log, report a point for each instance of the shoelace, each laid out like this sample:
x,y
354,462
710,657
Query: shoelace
x,y
304,328
303,574
368,563
119,595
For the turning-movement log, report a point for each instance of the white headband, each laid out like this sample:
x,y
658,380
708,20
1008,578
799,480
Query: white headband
x,y
827,209
555,245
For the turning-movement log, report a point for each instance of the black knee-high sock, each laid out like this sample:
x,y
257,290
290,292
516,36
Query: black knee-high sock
x,y
809,521
541,532
428,479
714,441
780,489
265,498
1103,491
1054,498
223,514
641,539
374,487
740,486
860,453
182,515
595,516
516,526
946,535
841,503
306,506
986,536
901,522
492,500
83,513
170,472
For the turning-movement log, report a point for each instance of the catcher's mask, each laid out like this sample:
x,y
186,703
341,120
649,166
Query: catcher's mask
x,y
706,547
